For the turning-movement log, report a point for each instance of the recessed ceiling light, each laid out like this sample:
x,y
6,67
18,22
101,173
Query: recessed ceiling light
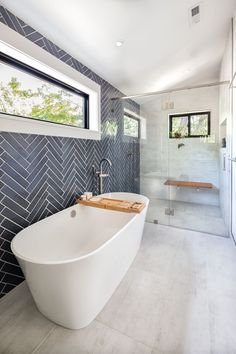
x,y
119,43
187,71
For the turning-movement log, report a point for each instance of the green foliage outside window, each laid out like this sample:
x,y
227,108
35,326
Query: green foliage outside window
x,y
189,125
25,95
131,126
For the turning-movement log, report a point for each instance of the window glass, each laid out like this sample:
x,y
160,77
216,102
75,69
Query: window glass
x,y
26,95
199,124
131,126
179,127
189,125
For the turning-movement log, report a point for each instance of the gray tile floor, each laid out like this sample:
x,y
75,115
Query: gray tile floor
x,y
192,216
179,296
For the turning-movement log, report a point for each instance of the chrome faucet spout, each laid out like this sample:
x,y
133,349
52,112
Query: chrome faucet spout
x,y
105,160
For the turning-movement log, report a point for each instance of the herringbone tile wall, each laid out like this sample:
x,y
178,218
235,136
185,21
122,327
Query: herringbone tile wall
x,y
41,175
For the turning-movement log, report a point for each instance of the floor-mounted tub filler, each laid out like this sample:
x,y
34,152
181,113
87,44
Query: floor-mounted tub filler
x,y
74,260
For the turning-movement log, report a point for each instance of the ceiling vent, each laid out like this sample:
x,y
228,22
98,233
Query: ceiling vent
x,y
194,14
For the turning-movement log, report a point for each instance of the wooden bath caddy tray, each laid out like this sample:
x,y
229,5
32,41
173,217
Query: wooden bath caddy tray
x,y
113,204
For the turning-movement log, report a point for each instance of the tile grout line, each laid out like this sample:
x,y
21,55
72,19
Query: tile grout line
x,y
124,334
44,339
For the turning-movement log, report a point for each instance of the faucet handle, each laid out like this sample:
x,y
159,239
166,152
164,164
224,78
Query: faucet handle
x,y
103,175
95,172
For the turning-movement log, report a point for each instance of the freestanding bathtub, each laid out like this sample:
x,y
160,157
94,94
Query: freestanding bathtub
x,y
74,260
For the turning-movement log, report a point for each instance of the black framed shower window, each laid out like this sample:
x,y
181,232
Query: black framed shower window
x,y
27,92
190,125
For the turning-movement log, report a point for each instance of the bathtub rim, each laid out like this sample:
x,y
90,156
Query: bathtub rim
x,y
72,260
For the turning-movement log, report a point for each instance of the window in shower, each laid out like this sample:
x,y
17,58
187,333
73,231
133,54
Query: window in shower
x,y
190,125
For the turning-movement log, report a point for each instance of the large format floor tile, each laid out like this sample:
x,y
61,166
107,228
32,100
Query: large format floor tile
x,y
96,338
22,327
178,297
138,312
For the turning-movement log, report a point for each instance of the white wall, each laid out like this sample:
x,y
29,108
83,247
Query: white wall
x,y
225,130
198,160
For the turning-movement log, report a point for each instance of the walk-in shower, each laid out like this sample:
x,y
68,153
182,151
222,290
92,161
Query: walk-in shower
x,y
182,158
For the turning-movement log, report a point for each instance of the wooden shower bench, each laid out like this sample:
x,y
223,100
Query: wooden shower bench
x,y
188,184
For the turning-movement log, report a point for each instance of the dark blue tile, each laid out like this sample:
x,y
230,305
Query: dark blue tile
x,y
7,235
7,288
19,149
14,164
34,149
14,175
39,178
1,275
37,206
10,225
12,279
36,165
2,285
17,195
6,246
12,269
12,216
15,207
9,257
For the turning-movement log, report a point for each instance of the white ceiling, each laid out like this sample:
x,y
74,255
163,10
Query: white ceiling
x,y
161,49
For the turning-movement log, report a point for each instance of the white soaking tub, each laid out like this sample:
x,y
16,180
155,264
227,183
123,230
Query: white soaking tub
x,y
74,260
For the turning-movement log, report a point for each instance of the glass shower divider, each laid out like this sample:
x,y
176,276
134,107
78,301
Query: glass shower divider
x,y
180,161
154,161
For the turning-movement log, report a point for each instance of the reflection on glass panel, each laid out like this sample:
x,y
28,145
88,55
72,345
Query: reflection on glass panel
x,y
26,95
199,124
131,126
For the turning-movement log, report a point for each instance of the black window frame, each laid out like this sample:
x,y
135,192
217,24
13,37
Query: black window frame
x,y
44,76
189,115
132,117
